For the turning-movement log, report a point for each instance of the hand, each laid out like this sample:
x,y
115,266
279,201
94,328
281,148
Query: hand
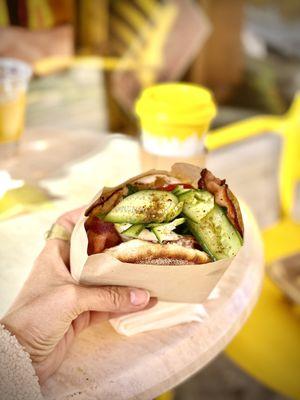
x,y
52,308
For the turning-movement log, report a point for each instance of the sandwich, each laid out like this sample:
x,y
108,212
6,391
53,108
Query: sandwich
x,y
166,218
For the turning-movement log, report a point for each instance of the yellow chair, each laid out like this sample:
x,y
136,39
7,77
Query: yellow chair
x,y
268,346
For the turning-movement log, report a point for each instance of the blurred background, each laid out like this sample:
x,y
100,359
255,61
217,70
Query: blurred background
x,y
92,58
246,52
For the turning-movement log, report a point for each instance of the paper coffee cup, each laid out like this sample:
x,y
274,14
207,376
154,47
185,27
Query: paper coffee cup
x,y
174,118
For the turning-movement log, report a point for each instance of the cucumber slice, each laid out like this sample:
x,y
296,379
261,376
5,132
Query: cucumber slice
x,y
172,225
216,234
174,212
197,204
138,231
153,225
122,227
180,190
146,206
164,231
133,231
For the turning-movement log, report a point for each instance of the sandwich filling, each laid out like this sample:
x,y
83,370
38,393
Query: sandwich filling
x,y
165,219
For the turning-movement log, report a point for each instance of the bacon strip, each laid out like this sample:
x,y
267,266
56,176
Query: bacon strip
x,y
223,197
101,235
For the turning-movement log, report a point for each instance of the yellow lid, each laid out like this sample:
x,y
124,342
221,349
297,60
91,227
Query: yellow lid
x,y
176,103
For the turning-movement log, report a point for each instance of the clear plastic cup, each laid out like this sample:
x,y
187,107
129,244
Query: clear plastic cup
x,y
174,119
14,79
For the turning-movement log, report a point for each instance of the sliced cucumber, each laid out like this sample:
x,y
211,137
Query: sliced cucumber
x,y
179,190
138,231
153,224
197,204
164,231
122,227
133,231
216,234
174,212
146,206
169,226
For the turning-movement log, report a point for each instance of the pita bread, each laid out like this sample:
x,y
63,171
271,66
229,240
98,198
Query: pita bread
x,y
140,252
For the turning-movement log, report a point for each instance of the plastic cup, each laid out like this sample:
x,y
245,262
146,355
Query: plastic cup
x,y
14,79
174,119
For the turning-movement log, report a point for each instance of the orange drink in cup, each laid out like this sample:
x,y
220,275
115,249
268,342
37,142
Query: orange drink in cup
x,y
14,78
174,119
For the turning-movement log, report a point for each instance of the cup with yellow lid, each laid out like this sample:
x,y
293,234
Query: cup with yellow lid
x,y
174,119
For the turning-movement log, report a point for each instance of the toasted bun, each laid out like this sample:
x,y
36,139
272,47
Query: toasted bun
x,y
140,252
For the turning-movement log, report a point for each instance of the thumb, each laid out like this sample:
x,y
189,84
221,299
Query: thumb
x,y
111,299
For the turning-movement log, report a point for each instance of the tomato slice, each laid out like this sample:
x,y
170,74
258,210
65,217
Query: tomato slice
x,y
172,186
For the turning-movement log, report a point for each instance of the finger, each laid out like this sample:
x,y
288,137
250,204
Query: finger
x,y
81,322
110,299
96,317
152,303
69,219
62,247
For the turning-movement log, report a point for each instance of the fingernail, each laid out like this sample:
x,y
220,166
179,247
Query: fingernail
x,y
139,296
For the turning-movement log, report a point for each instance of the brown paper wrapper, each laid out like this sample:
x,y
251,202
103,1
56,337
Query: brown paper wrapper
x,y
176,283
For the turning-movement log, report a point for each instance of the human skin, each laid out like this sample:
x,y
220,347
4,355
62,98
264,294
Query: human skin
x,y
52,309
